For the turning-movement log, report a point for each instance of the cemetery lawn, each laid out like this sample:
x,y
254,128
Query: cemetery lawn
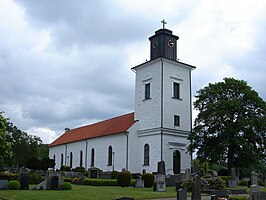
x,y
87,192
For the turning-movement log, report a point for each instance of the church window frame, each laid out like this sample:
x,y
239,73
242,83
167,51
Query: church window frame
x,y
110,155
81,159
147,91
92,157
62,159
176,120
176,90
146,154
54,160
71,160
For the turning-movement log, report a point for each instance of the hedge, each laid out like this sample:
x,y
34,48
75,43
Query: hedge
x,y
100,182
8,176
104,182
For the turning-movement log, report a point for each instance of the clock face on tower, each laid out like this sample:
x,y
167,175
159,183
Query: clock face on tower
x,y
155,44
171,43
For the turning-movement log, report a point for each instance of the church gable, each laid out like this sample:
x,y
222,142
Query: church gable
x,y
115,125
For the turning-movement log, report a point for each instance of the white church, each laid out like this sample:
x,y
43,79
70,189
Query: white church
x,y
156,131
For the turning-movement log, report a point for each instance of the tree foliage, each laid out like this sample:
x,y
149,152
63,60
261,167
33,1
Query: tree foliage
x,y
5,145
231,124
24,147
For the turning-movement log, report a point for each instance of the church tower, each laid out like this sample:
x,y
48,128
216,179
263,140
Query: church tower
x,y
163,106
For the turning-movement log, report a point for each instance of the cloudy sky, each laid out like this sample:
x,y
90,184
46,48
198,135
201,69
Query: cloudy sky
x,y
68,63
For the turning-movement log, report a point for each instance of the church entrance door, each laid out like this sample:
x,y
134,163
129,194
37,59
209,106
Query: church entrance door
x,y
176,162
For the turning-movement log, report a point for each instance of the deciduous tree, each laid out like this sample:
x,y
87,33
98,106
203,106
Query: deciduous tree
x,y
231,125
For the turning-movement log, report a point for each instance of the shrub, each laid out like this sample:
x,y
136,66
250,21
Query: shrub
x,y
261,182
216,183
67,179
65,168
135,175
8,176
35,178
100,182
13,185
79,169
114,174
86,173
148,180
187,184
238,198
66,186
124,179
243,183
226,179
77,181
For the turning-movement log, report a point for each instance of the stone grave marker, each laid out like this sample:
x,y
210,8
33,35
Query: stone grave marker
x,y
53,181
196,188
3,184
181,194
139,183
254,193
24,181
93,172
233,182
161,167
160,183
254,178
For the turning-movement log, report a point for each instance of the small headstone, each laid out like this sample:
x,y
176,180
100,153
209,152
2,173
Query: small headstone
x,y
3,184
233,173
215,173
181,194
254,192
161,167
139,183
254,178
196,188
160,183
232,183
24,181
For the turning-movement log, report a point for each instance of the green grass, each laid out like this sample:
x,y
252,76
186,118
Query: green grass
x,y
87,192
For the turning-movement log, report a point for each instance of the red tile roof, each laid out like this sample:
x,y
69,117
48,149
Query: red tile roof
x,y
115,125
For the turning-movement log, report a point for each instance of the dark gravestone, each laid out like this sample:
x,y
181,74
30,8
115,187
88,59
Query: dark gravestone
x,y
181,194
24,181
196,188
161,167
55,182
93,174
263,195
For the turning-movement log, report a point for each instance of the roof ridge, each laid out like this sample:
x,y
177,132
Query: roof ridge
x,y
105,120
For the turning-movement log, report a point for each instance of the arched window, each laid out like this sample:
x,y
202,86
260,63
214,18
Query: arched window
x,y
92,157
71,160
146,154
62,160
110,155
54,160
81,159
176,161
